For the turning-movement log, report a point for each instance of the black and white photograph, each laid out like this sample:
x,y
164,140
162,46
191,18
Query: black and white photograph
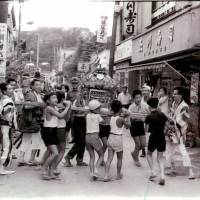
x,y
99,99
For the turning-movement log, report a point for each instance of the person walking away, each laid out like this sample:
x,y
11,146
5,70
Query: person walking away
x,y
139,110
163,103
155,125
49,134
124,97
115,140
179,116
93,142
6,122
31,124
79,128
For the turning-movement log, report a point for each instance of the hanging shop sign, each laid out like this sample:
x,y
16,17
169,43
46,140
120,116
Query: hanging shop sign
x,y
194,88
129,18
102,32
167,39
123,51
3,47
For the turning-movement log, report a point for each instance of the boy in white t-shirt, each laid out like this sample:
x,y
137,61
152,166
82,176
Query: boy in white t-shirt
x,y
93,142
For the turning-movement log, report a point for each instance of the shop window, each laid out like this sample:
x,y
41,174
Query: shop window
x,y
162,9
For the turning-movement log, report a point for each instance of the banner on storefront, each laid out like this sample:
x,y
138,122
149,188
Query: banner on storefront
x,y
194,88
129,18
102,31
3,43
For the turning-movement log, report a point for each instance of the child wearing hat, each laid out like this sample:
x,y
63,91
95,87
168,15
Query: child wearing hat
x,y
93,142
155,124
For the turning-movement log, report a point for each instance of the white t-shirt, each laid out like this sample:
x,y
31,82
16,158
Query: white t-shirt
x,y
92,122
125,99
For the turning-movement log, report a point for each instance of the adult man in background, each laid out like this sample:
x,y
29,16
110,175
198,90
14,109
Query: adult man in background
x,y
124,97
30,124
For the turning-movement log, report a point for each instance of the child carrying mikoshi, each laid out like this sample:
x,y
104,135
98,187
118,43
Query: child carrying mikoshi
x,y
93,142
49,136
155,124
115,140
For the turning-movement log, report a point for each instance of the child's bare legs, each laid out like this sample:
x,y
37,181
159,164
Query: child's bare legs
x,y
108,162
61,152
150,162
160,160
104,141
53,154
100,160
91,163
119,164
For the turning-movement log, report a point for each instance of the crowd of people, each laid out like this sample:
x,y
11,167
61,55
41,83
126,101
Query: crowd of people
x,y
37,121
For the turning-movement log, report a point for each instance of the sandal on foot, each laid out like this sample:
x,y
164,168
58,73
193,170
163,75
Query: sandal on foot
x,y
162,181
151,177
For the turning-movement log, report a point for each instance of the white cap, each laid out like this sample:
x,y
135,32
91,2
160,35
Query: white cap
x,y
94,104
146,87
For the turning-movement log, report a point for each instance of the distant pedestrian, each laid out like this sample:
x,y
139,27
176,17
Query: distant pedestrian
x,y
115,140
155,124
163,103
93,142
124,97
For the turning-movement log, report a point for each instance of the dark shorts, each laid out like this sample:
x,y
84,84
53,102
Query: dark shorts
x,y
49,136
104,131
137,128
61,135
156,143
126,106
68,126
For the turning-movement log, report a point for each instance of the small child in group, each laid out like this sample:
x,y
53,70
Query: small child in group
x,y
93,142
155,125
115,140
49,134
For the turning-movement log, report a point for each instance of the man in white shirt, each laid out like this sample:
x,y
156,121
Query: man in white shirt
x,y
124,97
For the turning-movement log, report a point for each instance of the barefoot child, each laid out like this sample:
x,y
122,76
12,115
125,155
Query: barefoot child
x,y
155,124
93,142
115,143
49,136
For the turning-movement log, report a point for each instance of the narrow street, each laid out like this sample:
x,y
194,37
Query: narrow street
x,y
74,182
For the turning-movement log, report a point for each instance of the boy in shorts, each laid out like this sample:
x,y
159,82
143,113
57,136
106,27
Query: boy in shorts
x,y
155,124
93,142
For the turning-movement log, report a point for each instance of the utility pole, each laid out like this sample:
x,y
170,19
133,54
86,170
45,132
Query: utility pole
x,y
38,51
19,30
113,39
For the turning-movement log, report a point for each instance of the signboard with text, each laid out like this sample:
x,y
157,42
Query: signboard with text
x,y
3,48
102,31
83,67
123,51
172,37
129,18
194,88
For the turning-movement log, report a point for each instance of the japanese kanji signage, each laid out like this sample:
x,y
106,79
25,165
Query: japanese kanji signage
x,y
3,43
129,18
102,32
83,67
194,88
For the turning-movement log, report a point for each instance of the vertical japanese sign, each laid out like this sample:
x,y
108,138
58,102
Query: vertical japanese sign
x,y
102,32
3,44
129,18
194,88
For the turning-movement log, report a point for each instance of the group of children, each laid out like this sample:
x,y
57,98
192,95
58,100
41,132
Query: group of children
x,y
100,134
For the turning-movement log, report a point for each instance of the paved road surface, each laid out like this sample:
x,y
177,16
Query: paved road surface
x,y
74,183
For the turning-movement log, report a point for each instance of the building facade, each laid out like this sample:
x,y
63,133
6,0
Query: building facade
x,y
158,43
7,37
